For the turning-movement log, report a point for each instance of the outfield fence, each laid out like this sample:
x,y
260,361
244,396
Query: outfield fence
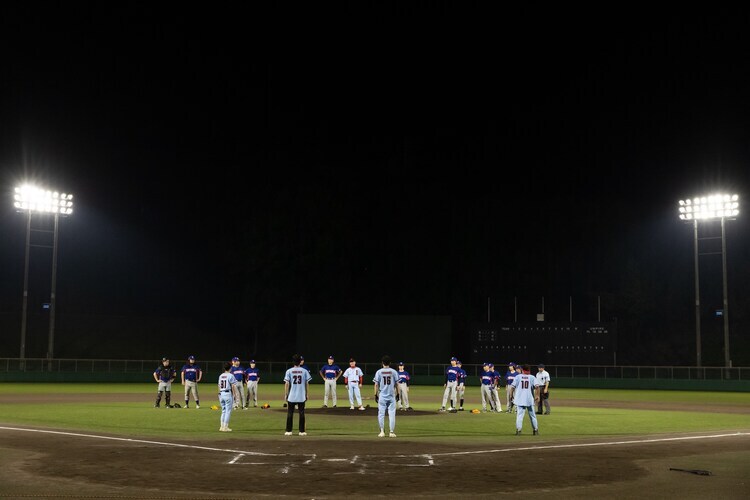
x,y
427,373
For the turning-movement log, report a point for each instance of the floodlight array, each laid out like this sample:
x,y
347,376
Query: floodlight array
x,y
34,199
715,206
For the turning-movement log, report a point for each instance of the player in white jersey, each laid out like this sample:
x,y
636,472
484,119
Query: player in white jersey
x,y
385,392
525,393
228,393
353,378
296,388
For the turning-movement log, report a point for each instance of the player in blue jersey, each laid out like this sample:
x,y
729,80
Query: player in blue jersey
x,y
164,375
524,392
252,377
486,380
330,373
385,392
510,375
239,374
403,387
496,376
296,388
461,386
191,374
228,394
451,382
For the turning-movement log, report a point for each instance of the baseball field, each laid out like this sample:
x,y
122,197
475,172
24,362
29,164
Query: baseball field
x,y
108,441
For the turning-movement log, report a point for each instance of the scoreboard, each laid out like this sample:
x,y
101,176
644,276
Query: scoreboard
x,y
564,343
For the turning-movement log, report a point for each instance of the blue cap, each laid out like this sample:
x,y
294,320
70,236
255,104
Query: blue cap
x,y
235,358
400,363
486,364
512,364
454,358
252,361
490,364
191,357
330,357
458,362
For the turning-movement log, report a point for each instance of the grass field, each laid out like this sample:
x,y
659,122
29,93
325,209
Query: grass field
x,y
579,416
122,415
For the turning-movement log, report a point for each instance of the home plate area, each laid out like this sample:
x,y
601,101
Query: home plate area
x,y
357,464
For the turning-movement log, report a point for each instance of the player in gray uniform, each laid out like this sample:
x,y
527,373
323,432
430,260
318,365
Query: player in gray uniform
x,y
542,378
164,375
385,392
451,382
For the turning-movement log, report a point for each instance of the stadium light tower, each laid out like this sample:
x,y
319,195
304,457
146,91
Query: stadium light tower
x,y
31,199
710,208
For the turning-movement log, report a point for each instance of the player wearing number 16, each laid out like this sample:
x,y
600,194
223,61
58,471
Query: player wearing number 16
x,y
296,389
385,392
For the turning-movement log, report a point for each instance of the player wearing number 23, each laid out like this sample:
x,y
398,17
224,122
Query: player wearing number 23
x,y
385,392
296,388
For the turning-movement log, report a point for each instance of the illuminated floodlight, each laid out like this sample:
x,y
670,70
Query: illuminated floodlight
x,y
710,207
34,199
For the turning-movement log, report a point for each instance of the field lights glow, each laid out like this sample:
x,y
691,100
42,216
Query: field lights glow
x,y
34,199
715,206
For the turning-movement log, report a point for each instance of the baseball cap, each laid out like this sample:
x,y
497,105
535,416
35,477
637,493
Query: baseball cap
x,y
330,357
400,363
454,358
252,361
541,365
351,359
490,364
235,358
512,364
458,362
191,357
485,364
165,359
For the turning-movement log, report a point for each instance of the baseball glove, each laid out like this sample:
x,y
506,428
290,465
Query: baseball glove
x,y
214,407
176,405
265,406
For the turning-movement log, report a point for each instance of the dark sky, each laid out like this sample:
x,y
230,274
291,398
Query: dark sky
x,y
234,167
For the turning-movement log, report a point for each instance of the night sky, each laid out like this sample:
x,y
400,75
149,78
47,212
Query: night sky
x,y
233,168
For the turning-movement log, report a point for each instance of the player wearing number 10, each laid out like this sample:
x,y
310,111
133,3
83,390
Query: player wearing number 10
x,y
296,387
385,392
524,392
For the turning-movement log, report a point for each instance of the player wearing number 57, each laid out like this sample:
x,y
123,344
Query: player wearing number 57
x,y
296,388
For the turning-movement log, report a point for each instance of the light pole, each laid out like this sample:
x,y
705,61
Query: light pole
x,y
31,199
710,208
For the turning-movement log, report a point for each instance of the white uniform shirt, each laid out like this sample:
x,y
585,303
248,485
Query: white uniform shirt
x,y
542,378
353,374
523,394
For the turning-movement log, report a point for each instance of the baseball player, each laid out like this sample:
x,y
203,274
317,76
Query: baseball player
x,y
543,379
524,392
460,386
191,374
353,379
486,380
330,373
239,374
495,383
296,388
403,387
510,375
164,375
228,394
252,377
385,392
451,381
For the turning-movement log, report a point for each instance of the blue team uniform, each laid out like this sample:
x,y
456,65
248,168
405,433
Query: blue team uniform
x,y
252,374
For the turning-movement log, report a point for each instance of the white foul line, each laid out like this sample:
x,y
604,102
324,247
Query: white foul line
x,y
584,445
143,441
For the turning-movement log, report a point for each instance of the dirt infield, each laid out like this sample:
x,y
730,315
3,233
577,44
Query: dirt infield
x,y
49,463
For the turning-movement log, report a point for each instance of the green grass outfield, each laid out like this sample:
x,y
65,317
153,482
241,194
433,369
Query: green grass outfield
x,y
116,409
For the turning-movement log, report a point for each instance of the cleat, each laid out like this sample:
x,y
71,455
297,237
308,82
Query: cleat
x,y
391,435
324,406
227,429
536,432
334,406
351,407
156,406
303,434
442,409
186,407
382,434
361,408
460,409
518,432
197,407
221,429
287,433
